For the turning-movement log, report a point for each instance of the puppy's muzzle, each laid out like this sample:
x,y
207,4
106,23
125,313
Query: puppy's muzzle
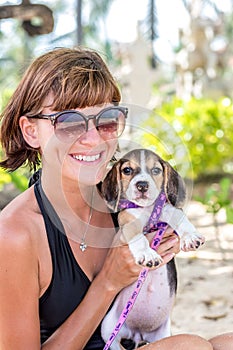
x,y
142,186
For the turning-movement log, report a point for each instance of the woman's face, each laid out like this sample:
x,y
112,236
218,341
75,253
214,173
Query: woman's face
x,y
84,160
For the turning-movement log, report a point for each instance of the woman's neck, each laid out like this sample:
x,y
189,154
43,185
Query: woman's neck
x,y
68,196
72,203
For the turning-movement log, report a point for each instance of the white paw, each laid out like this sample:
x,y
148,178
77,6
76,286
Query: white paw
x,y
142,252
191,241
149,258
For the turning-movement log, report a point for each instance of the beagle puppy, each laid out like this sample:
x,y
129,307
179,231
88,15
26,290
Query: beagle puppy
x,y
135,183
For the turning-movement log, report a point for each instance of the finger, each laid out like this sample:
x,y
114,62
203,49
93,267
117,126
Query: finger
x,y
169,231
168,257
168,245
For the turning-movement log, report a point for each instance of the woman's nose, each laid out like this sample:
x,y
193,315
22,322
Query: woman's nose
x,y
92,135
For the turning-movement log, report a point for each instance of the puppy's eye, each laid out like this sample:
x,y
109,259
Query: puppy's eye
x,y
156,171
127,171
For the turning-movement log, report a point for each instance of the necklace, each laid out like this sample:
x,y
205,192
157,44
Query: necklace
x,y
83,244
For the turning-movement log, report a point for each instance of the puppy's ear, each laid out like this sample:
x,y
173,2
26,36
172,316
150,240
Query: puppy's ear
x,y
111,187
174,185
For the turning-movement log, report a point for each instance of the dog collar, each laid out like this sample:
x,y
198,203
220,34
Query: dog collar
x,y
156,212
126,204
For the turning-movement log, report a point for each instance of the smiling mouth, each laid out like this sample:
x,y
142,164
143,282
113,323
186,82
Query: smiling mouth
x,y
84,158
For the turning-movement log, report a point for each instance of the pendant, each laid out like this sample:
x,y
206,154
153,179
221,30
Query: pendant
x,y
83,246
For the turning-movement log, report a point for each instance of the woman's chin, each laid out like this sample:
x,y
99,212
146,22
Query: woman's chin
x,y
90,178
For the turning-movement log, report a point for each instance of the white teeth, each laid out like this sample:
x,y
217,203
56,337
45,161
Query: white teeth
x,y
87,158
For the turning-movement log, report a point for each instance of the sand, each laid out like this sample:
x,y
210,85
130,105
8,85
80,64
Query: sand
x,y
204,302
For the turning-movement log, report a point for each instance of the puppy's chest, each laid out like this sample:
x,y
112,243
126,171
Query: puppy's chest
x,y
142,214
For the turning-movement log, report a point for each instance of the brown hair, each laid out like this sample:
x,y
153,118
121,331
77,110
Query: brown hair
x,y
76,77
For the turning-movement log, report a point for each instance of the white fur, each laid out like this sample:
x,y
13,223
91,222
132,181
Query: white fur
x,y
190,238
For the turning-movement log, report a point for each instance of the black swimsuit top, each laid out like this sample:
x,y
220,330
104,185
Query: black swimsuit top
x,y
69,283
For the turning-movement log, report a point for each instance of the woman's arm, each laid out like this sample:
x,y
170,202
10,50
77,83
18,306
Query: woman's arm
x,y
20,288
19,291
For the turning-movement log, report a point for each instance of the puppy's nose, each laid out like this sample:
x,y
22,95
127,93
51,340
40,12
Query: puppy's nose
x,y
142,186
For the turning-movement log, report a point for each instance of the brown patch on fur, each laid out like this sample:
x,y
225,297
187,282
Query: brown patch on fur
x,y
130,226
111,187
174,186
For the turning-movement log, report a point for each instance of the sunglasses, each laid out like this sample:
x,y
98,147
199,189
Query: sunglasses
x,y
70,125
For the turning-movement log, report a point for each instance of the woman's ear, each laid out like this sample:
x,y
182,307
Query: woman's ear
x,y
29,131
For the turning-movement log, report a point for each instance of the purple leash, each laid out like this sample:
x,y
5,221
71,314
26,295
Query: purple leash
x,y
152,225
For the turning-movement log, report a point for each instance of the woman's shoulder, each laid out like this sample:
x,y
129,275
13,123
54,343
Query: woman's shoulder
x,y
19,254
20,217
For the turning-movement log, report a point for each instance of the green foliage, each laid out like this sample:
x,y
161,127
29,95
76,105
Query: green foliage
x,y
229,214
218,196
4,178
204,127
19,178
5,96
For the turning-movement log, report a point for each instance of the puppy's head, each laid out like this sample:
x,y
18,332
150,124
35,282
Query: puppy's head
x,y
139,177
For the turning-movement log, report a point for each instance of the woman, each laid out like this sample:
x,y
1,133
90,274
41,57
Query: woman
x,y
60,262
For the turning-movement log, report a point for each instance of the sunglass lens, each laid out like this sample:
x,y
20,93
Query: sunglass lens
x,y
111,123
69,126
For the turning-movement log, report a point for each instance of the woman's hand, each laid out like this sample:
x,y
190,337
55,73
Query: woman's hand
x,y
120,269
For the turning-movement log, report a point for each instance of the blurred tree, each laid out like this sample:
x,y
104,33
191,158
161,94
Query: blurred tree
x,y
36,19
98,16
18,39
79,22
91,28
202,56
151,29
